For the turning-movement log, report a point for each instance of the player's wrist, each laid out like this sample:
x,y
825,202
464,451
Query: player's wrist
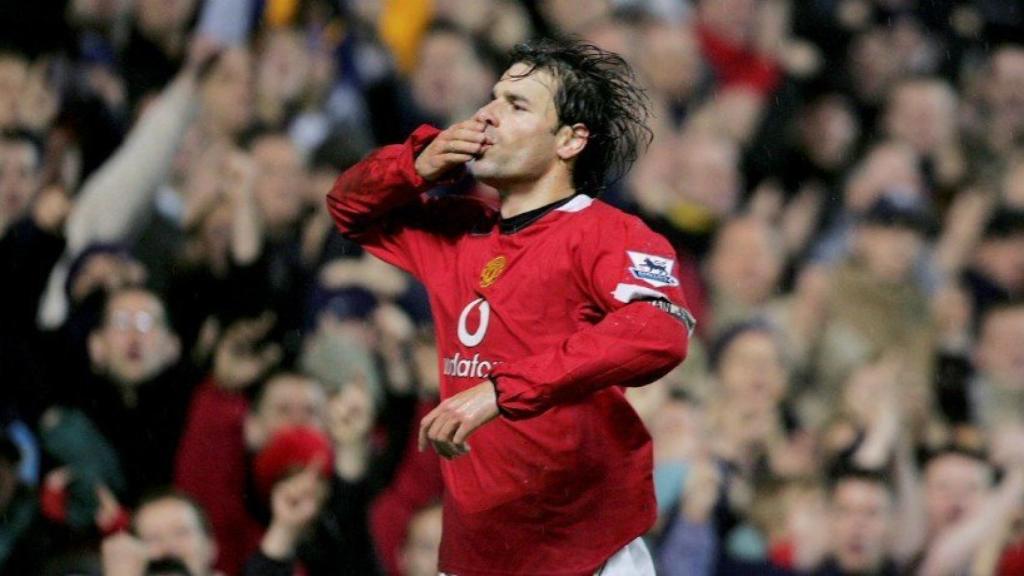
x,y
497,394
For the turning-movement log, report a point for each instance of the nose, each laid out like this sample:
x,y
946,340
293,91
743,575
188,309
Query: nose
x,y
486,115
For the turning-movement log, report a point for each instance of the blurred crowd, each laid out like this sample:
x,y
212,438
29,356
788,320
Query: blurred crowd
x,y
199,375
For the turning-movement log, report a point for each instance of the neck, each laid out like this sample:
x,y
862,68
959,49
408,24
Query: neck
x,y
352,460
129,393
517,198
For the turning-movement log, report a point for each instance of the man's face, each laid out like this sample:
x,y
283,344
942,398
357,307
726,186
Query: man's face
x,y
707,173
283,67
752,371
829,131
746,261
1006,89
13,75
134,343
572,16
171,528
1000,354
98,13
672,61
522,121
350,412
1001,260
281,182
18,169
954,486
1013,184
860,519
228,91
289,400
473,15
161,17
733,19
888,252
450,81
871,62
922,114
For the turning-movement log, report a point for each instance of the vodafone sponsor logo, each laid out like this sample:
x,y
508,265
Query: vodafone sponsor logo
x,y
474,367
471,367
474,338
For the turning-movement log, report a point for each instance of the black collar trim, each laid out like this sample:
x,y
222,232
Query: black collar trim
x,y
520,221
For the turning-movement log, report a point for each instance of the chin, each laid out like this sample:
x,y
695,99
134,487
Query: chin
x,y
484,171
479,167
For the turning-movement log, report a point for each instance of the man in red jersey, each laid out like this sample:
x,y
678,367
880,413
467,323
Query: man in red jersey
x,y
543,313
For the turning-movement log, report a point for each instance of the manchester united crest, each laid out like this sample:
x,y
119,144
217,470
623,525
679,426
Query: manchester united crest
x,y
492,271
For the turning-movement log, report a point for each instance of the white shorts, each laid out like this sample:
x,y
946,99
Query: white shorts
x,y
631,560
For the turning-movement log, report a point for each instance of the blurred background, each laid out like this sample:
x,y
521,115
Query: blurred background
x,y
198,375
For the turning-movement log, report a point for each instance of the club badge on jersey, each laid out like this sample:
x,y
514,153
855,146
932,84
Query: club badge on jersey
x,y
492,271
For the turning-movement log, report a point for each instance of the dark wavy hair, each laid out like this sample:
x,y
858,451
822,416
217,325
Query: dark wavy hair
x,y
598,89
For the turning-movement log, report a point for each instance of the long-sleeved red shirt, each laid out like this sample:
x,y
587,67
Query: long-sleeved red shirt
x,y
561,314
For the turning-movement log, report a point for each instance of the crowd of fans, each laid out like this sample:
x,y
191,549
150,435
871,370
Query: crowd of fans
x,y
199,375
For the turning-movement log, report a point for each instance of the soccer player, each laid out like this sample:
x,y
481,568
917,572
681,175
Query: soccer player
x,y
543,312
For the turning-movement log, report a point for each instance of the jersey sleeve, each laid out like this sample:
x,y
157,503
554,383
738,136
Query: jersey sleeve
x,y
377,203
630,263
643,330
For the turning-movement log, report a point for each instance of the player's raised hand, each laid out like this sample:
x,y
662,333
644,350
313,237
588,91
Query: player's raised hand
x,y
448,426
452,148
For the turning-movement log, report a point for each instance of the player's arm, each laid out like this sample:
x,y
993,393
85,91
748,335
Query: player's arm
x,y
632,276
394,177
644,334
632,346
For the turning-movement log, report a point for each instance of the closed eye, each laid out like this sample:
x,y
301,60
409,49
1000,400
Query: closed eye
x,y
517,102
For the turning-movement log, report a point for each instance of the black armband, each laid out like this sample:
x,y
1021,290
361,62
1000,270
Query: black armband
x,y
675,311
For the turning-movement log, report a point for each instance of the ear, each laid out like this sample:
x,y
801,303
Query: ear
x,y
97,349
571,140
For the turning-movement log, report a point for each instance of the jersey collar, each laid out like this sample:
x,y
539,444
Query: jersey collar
x,y
520,221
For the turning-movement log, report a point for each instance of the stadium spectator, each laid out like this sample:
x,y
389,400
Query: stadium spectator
x,y
170,536
419,555
138,392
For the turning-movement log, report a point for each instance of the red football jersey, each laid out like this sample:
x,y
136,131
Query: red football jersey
x,y
561,314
